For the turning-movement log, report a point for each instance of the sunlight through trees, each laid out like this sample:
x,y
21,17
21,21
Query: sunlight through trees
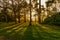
x,y
27,11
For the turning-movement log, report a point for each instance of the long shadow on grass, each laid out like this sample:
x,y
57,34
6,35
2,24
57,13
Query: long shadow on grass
x,y
28,34
46,35
3,31
16,35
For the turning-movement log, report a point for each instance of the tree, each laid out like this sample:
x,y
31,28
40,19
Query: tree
x,y
18,10
4,11
30,13
38,9
25,7
14,10
39,12
16,7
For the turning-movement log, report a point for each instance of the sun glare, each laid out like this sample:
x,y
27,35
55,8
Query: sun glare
x,y
33,15
33,12
43,2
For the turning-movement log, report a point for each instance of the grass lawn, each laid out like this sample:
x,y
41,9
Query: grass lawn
x,y
23,31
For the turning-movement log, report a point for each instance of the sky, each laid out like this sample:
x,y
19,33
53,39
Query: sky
x,y
42,2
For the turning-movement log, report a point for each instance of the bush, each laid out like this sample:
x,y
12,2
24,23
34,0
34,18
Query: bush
x,y
53,20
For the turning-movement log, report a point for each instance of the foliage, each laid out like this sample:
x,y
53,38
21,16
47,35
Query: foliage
x,y
54,19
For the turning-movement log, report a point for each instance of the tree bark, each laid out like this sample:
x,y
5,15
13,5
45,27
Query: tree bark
x,y
14,16
18,16
30,14
39,12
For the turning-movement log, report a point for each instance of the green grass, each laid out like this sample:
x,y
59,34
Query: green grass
x,y
32,32
4,24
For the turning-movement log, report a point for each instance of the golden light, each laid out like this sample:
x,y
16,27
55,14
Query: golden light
x,y
34,12
33,18
42,2
27,1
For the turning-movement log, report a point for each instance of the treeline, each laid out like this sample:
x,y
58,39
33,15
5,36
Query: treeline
x,y
14,10
10,9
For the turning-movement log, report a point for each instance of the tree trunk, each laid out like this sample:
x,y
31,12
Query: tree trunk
x,y
6,16
39,12
55,11
30,14
35,19
18,16
24,15
6,19
14,16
